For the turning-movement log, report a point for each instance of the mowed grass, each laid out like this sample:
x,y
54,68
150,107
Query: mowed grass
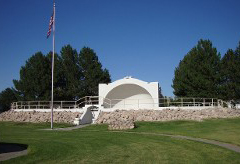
x,y
226,130
95,144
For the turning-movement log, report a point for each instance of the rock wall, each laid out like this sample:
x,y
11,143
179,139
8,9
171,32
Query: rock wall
x,y
35,117
124,119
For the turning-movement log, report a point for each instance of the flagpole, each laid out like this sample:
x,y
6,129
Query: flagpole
x,y
53,63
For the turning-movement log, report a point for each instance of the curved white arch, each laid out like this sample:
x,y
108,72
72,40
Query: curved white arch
x,y
131,92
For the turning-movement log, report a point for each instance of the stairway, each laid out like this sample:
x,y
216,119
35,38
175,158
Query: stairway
x,y
89,116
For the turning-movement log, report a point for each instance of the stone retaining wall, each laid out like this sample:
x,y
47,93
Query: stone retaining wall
x,y
122,119
35,117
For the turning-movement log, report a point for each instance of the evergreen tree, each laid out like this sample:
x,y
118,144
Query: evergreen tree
x,y
160,95
72,72
35,79
198,73
92,72
59,81
75,76
230,75
6,98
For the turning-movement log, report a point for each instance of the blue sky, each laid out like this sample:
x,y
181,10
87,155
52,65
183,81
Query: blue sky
x,y
145,39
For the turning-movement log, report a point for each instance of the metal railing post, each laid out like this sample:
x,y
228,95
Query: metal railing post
x,y
193,101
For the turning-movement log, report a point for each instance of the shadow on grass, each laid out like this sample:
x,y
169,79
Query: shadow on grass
x,y
12,147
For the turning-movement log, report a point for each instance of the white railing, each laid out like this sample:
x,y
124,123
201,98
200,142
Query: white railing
x,y
182,102
43,105
163,102
119,103
88,100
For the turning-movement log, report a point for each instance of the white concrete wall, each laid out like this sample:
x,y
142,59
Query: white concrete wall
x,y
160,108
133,93
86,117
130,96
237,106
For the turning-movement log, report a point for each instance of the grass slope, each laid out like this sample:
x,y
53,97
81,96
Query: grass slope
x,y
226,130
94,144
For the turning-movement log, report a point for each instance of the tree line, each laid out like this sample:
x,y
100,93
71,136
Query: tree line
x,y
75,75
203,73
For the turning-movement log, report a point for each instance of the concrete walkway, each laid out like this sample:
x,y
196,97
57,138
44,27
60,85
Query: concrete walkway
x,y
232,147
68,128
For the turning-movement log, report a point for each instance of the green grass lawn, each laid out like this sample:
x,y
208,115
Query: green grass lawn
x,y
95,144
226,130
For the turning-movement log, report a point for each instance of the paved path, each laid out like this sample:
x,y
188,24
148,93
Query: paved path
x,y
232,147
69,128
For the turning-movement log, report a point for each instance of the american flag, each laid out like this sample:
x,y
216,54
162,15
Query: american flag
x,y
50,26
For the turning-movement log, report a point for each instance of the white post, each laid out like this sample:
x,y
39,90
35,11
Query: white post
x,y
53,63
